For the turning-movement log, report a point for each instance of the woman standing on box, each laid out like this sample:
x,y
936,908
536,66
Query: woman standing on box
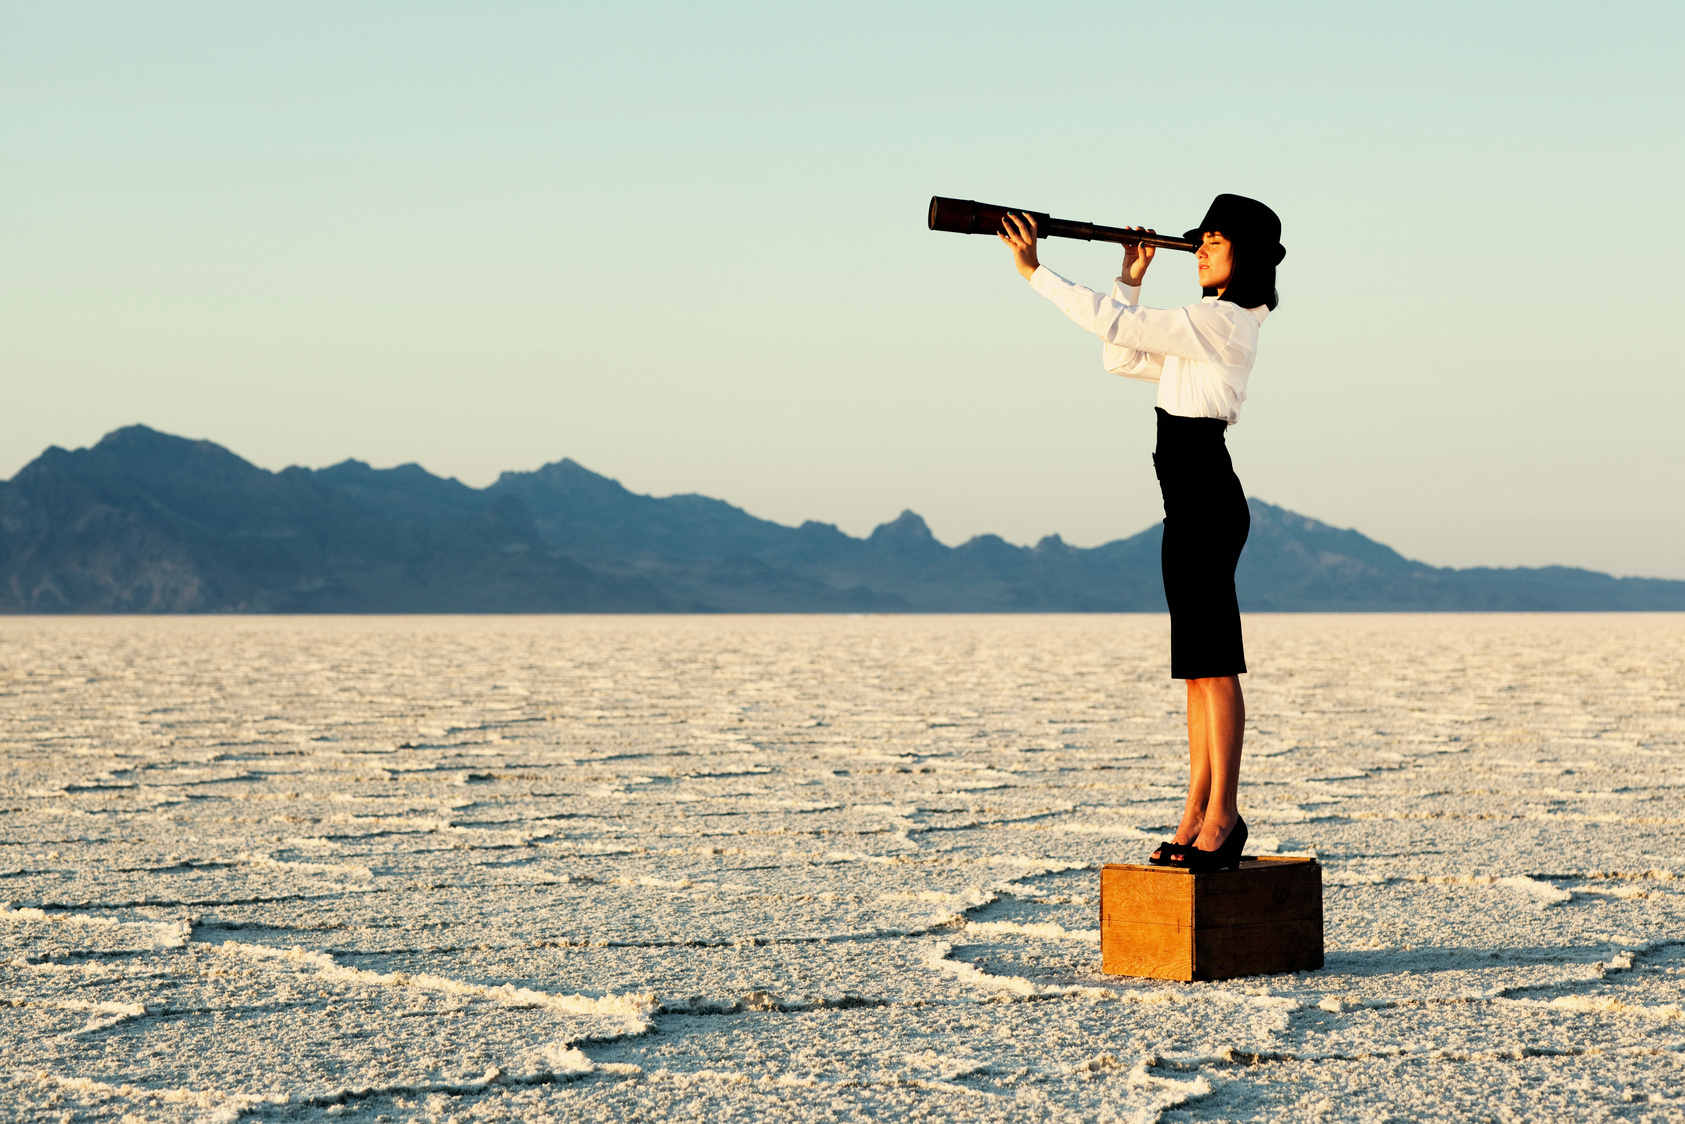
x,y
1200,355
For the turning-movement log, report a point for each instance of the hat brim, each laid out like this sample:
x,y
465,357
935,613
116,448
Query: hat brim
x,y
1197,237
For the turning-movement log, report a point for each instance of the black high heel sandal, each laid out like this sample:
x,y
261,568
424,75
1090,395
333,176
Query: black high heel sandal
x,y
1226,856
1161,853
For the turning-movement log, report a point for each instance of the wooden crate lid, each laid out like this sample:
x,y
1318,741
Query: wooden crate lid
x,y
1247,862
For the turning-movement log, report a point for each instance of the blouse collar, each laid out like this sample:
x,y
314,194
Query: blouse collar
x,y
1258,314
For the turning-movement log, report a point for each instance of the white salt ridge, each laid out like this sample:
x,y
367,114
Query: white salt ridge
x,y
351,870
968,898
134,934
102,1015
1032,866
220,1107
1666,1012
1542,892
633,1009
1276,813
1168,1092
1050,930
938,959
1339,1004
1331,878
1122,831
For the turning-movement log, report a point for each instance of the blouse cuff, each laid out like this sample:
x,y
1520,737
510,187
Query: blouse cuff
x,y
1046,282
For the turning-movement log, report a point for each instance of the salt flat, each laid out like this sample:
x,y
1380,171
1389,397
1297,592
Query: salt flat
x,y
820,868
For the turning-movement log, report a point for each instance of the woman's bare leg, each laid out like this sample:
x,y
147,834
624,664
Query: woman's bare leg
x,y
1216,717
1199,767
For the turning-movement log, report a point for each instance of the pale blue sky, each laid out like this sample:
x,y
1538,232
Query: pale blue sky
x,y
684,244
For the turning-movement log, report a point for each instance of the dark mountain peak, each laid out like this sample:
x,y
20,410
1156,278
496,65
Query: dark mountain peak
x,y
142,442
352,471
144,452
1277,528
53,459
137,465
908,527
1053,544
990,554
148,522
406,491
568,479
130,436
906,540
1286,518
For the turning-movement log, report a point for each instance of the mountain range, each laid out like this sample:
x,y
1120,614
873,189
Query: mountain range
x,y
145,522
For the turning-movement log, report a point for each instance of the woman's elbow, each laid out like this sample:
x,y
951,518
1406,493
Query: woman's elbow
x,y
1122,360
1136,369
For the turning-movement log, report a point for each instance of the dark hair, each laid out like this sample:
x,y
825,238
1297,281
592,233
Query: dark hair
x,y
1251,283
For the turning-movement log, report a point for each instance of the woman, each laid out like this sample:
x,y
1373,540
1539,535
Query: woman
x,y
1200,356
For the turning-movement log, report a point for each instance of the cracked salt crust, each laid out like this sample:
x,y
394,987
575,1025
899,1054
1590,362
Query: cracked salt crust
x,y
821,868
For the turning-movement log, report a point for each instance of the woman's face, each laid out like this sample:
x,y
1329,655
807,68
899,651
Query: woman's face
x,y
1216,261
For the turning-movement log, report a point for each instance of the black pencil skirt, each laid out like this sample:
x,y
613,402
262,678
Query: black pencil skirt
x,y
1205,526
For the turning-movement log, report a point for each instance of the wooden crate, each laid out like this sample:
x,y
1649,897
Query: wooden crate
x,y
1170,924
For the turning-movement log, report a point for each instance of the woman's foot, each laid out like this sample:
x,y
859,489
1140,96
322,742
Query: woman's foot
x,y
1216,839
1226,856
1215,831
1161,854
1186,832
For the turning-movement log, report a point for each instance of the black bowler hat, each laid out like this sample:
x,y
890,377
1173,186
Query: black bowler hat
x,y
1244,221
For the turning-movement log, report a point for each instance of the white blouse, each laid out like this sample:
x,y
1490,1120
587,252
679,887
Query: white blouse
x,y
1200,354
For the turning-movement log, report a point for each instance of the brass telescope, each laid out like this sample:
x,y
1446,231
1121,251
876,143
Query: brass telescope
x,y
967,216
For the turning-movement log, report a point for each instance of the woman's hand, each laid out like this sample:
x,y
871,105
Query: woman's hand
x,y
1136,259
1019,232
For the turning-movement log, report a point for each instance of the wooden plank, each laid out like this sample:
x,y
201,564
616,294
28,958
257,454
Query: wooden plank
x,y
1148,895
1279,891
1181,931
1265,949
1160,952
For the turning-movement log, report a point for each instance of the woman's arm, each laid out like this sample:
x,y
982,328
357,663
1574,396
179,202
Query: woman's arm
x,y
1019,232
1199,331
